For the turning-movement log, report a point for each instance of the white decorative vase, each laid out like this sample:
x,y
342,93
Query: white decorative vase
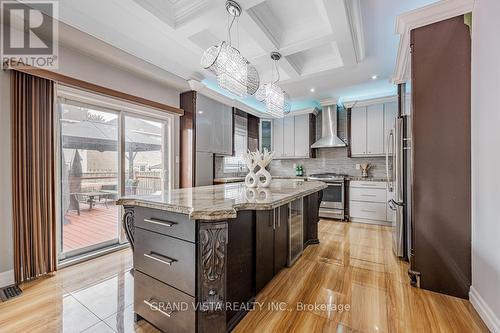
x,y
251,159
263,176
251,179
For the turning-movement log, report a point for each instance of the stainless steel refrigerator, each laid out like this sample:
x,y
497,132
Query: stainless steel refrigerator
x,y
398,168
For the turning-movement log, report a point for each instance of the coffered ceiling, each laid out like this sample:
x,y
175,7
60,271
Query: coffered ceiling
x,y
333,46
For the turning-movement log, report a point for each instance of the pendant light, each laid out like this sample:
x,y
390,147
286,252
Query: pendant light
x,y
276,100
234,72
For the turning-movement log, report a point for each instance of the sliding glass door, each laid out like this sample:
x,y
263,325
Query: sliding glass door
x,y
145,169
103,155
89,178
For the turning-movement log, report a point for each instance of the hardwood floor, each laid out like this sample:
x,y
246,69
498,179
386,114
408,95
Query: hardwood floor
x,y
357,285
352,277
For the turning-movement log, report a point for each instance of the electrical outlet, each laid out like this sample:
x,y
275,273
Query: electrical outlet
x,y
358,167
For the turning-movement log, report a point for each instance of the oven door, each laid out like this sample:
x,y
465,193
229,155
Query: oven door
x,y
333,196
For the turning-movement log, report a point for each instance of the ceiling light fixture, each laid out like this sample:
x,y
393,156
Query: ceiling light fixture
x,y
276,100
234,72
312,89
374,77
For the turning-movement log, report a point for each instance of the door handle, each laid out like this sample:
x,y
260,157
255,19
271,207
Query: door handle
x,y
160,258
160,222
154,307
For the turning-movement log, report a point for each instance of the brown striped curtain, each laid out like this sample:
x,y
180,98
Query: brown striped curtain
x,y
33,176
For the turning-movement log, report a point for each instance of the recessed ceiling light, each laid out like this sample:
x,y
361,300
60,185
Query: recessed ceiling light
x,y
374,77
312,89
200,112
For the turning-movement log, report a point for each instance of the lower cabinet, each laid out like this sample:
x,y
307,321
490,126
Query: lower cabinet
x,y
368,202
271,252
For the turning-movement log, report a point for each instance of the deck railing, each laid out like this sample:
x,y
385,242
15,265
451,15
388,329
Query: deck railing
x,y
148,182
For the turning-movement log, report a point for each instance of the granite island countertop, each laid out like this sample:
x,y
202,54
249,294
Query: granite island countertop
x,y
224,180
223,201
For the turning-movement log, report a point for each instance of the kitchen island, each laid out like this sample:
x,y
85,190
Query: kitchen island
x,y
202,254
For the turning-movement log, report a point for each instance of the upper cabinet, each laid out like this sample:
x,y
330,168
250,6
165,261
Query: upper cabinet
x,y
370,128
214,126
292,136
266,134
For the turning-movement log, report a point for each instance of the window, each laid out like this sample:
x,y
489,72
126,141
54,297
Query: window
x,y
107,148
235,163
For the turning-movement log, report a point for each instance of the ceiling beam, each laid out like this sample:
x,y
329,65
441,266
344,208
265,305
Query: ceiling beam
x,y
267,41
336,13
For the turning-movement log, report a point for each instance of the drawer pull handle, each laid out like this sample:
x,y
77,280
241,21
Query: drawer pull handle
x,y
368,211
154,307
158,257
160,222
368,195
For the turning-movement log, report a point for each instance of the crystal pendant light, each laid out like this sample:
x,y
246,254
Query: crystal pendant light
x,y
234,72
276,100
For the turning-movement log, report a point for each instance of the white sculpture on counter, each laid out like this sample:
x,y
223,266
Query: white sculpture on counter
x,y
251,162
262,178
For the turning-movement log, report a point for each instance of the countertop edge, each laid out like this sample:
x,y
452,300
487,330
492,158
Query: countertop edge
x,y
216,215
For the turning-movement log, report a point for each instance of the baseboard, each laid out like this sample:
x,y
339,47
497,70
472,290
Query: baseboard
x,y
6,278
484,311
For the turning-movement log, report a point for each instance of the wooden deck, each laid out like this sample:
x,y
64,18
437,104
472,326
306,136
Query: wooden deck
x,y
91,227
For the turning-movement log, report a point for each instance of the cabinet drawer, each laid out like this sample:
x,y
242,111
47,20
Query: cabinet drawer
x,y
163,306
165,258
368,194
167,223
368,210
367,184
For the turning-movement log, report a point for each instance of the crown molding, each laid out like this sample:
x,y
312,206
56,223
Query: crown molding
x,y
420,17
328,101
371,101
313,110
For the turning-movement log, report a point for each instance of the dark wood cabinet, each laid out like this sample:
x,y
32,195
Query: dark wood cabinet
x,y
264,248
253,132
441,148
311,218
271,244
280,238
240,285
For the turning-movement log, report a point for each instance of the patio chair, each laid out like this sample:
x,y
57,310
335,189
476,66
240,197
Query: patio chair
x,y
81,199
109,192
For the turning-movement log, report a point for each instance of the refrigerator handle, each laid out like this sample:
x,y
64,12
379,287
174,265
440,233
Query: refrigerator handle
x,y
390,147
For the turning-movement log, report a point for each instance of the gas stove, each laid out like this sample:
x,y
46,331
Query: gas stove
x,y
333,198
326,177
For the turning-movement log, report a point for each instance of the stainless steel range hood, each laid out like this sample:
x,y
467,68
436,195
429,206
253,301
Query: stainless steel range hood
x,y
329,138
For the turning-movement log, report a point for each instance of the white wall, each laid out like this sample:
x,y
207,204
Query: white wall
x,y
485,291
84,67
6,249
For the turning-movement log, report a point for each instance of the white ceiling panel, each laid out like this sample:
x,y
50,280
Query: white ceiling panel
x,y
328,45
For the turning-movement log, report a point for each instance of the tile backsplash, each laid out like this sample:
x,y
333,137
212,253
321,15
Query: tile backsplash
x,y
327,160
